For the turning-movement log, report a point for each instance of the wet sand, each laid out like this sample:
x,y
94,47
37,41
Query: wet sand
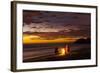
x,y
38,54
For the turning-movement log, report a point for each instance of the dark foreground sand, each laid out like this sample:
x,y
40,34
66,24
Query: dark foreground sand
x,y
76,55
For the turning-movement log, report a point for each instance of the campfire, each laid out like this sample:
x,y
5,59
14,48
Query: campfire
x,y
62,51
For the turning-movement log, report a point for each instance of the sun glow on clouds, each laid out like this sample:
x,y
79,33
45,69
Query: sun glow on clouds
x,y
30,36
54,27
33,39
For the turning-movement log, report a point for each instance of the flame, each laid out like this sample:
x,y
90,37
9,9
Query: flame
x,y
63,51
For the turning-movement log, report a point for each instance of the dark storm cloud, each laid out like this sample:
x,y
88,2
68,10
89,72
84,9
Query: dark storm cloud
x,y
72,23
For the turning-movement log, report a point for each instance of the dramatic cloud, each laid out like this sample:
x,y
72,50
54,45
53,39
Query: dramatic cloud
x,y
48,21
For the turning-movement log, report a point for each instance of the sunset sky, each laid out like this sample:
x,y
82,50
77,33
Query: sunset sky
x,y
53,36
73,24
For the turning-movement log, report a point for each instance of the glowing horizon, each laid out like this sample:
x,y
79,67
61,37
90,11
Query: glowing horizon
x,y
31,39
